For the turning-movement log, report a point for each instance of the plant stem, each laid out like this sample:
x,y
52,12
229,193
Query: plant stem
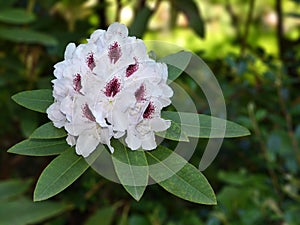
x,y
288,118
118,10
234,19
264,149
101,12
30,5
247,27
280,37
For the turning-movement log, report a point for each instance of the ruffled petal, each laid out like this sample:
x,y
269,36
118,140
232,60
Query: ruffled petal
x,y
54,114
132,141
105,135
67,106
70,49
159,124
96,36
148,142
115,30
119,120
86,144
71,140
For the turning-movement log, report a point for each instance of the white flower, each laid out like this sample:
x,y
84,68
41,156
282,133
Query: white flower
x,y
145,118
107,88
55,114
141,134
85,127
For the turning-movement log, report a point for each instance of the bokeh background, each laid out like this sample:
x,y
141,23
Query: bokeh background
x,y
253,48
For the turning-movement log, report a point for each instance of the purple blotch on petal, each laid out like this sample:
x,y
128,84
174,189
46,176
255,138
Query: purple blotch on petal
x,y
91,61
132,68
77,83
112,87
88,113
114,52
149,111
140,93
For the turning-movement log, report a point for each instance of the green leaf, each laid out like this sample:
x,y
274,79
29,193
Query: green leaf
x,y
137,219
190,9
12,188
178,177
60,173
177,63
20,35
48,131
105,215
37,100
204,126
123,219
37,147
29,121
131,168
16,16
24,211
139,24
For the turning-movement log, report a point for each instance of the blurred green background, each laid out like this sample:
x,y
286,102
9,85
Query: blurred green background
x,y
253,48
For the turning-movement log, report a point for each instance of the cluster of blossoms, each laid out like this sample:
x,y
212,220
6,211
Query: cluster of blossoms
x,y
109,88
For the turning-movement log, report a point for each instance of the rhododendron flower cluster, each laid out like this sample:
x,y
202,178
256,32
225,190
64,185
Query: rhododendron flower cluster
x,y
110,88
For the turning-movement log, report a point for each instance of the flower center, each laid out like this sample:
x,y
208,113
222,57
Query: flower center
x,y
88,113
149,111
140,93
114,52
77,83
131,69
112,87
90,61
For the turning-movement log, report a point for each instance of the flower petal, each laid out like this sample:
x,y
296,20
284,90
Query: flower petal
x,y
132,141
70,49
54,114
71,140
105,136
116,29
148,142
86,144
159,124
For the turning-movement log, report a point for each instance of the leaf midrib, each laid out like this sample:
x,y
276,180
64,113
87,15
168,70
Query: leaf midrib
x,y
48,186
178,175
50,145
211,128
128,160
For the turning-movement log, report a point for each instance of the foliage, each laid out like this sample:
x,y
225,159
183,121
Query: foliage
x,y
256,179
170,171
12,201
